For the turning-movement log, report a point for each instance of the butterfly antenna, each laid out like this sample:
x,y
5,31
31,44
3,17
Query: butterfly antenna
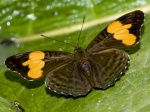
x,y
81,30
58,41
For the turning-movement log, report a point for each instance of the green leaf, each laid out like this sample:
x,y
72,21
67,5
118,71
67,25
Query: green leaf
x,y
24,21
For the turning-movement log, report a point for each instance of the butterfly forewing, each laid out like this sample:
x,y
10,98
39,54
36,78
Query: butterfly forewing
x,y
123,32
36,64
14,63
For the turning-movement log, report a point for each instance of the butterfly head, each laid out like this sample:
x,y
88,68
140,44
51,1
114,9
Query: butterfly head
x,y
79,53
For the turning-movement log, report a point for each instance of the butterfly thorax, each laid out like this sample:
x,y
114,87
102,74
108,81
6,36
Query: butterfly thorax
x,y
82,57
80,53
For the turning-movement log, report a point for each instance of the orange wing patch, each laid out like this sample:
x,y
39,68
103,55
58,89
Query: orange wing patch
x,y
35,64
121,32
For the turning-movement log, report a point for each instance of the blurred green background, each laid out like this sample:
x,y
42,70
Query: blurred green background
x,y
25,20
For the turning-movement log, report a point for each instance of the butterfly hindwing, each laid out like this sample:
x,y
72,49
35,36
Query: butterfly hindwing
x,y
68,79
109,65
123,32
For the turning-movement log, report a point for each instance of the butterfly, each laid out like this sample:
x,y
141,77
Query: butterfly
x,y
100,65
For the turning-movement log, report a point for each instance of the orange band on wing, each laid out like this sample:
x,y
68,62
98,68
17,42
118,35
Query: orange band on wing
x,y
121,32
35,64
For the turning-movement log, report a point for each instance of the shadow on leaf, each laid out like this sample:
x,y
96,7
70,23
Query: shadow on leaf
x,y
14,77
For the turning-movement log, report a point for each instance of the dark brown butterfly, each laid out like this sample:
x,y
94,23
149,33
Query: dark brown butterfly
x,y
97,66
